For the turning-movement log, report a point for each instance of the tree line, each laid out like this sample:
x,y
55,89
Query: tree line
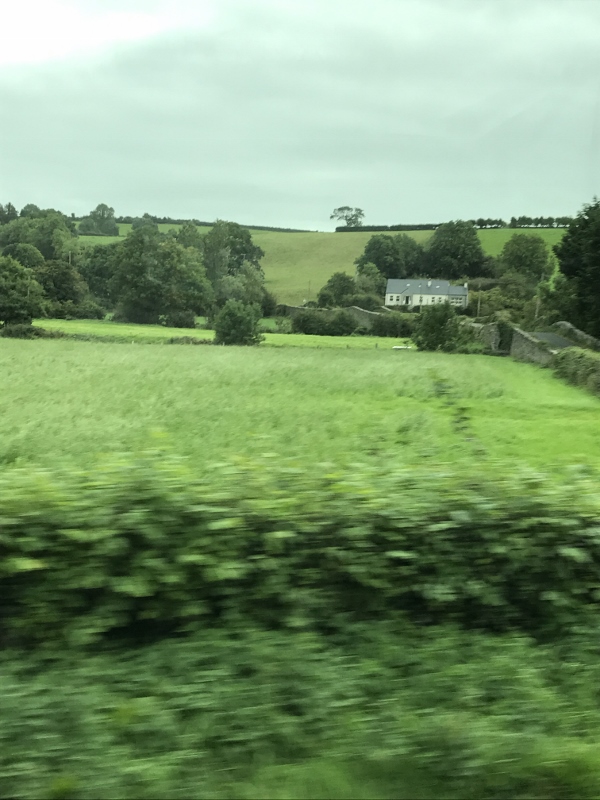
x,y
149,277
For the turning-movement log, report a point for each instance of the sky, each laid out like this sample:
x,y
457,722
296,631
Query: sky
x,y
275,112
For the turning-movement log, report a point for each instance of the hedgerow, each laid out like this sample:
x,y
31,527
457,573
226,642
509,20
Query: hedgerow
x,y
578,366
144,547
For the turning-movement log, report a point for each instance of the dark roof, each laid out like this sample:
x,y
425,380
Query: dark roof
x,y
424,286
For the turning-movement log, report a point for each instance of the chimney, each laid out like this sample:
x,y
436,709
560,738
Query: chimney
x,y
466,285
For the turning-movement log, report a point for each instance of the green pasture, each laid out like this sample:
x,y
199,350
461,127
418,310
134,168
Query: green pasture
x,y
297,265
158,334
64,398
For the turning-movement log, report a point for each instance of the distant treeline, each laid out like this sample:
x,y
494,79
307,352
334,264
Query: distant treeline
x,y
205,223
515,222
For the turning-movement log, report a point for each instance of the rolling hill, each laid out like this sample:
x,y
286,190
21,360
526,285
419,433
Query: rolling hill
x,y
297,265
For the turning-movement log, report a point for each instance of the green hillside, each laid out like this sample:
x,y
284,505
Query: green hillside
x,y
297,265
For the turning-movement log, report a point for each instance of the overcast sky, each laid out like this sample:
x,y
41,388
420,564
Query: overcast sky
x,y
274,112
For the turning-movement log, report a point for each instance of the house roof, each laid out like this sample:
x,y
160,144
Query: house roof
x,y
424,286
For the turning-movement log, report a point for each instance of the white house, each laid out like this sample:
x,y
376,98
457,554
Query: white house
x,y
411,292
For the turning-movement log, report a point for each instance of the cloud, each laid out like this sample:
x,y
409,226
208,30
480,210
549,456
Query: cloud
x,y
275,113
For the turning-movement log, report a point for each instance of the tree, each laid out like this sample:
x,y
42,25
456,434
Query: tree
x,y
579,259
8,213
398,256
226,248
21,296
337,290
154,276
351,216
61,282
237,323
145,219
30,210
454,252
100,222
527,255
51,233
436,328
26,254
189,236
97,268
369,280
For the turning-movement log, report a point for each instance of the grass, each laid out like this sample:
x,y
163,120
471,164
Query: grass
x,y
157,334
73,400
297,265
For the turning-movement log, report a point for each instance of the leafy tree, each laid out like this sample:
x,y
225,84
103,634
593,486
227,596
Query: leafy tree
x,y
238,323
155,276
145,219
370,280
337,290
527,255
26,254
454,251
226,248
351,216
61,282
398,256
21,296
100,221
30,210
52,234
579,260
436,328
97,268
248,286
189,236
8,213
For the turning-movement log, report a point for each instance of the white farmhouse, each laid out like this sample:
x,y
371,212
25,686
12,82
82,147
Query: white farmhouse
x,y
411,292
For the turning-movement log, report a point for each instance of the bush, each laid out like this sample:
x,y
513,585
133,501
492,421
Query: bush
x,y
21,331
238,324
320,323
269,304
180,319
370,302
393,324
436,328
341,323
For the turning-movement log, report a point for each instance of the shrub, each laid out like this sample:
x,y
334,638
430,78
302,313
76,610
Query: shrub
x,y
269,304
436,328
578,366
180,319
341,323
311,322
370,302
238,324
393,324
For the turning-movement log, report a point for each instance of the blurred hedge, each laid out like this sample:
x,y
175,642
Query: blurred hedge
x,y
144,547
578,366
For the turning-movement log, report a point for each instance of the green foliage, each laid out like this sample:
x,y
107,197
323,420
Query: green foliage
x,y
51,233
579,367
101,221
579,259
526,255
61,282
155,276
97,267
393,324
226,248
454,251
436,328
336,291
180,319
398,256
369,280
351,216
370,302
319,323
21,296
237,323
26,254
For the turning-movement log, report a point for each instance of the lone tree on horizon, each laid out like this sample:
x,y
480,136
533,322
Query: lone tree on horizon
x,y
351,216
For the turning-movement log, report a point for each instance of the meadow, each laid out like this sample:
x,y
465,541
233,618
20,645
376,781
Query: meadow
x,y
297,265
70,399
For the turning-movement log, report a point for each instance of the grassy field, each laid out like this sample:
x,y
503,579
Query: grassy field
x,y
70,399
158,334
298,264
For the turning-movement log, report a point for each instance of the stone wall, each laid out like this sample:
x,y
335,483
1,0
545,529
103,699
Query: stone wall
x,y
361,315
525,347
575,335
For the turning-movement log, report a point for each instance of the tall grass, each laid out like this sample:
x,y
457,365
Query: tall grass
x,y
70,399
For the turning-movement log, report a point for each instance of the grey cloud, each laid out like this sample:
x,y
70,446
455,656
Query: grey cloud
x,y
278,113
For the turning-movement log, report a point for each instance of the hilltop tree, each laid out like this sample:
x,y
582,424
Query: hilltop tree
x,y
31,210
100,221
454,251
351,216
579,259
21,296
8,213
